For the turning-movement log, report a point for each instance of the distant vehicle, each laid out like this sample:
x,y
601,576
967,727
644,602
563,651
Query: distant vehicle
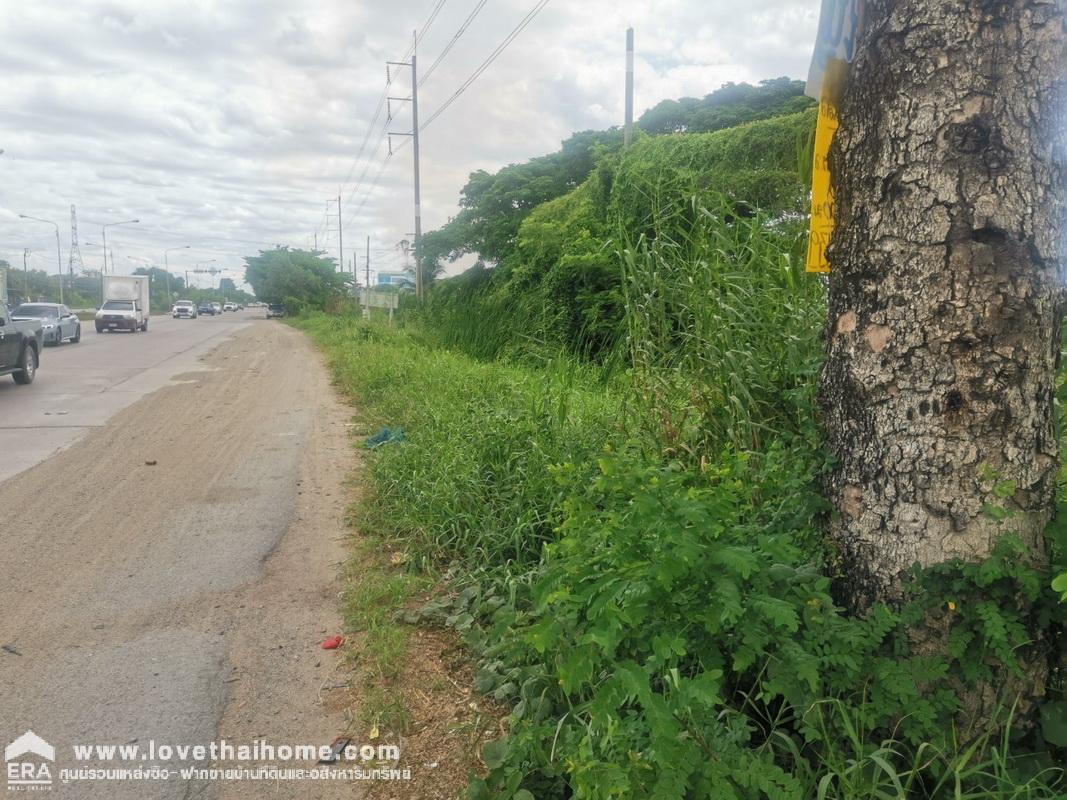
x,y
230,307
184,308
57,321
20,347
217,307
275,310
125,305
206,308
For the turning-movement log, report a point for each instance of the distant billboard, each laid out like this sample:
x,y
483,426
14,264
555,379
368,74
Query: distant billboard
x,y
377,299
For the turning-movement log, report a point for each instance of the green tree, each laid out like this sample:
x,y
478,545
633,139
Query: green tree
x,y
296,278
493,206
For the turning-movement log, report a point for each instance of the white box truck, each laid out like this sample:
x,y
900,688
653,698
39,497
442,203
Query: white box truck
x,y
125,306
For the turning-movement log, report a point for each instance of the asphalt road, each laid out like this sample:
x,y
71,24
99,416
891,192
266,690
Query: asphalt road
x,y
168,572
80,386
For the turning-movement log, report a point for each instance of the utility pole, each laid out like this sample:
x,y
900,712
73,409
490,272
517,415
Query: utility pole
x,y
317,236
366,302
166,267
628,131
419,289
26,271
59,255
59,264
413,64
340,238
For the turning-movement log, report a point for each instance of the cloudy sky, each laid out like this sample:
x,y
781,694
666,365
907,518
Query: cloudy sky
x,y
227,124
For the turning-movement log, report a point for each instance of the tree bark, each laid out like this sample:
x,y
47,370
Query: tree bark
x,y
946,289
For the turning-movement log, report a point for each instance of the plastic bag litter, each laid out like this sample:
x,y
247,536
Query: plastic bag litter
x,y
384,436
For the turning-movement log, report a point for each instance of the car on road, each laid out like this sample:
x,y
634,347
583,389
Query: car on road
x,y
58,323
121,315
20,347
275,310
206,308
184,309
217,307
230,307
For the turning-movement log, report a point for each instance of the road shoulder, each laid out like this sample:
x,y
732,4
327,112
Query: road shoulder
x,y
284,686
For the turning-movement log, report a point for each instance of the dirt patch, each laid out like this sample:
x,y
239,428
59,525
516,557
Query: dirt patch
x,y
446,722
285,687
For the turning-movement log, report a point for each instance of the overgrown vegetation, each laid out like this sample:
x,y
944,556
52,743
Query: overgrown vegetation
x,y
298,279
613,466
560,284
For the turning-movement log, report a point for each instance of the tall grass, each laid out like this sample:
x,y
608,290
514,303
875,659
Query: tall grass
x,y
723,328
473,482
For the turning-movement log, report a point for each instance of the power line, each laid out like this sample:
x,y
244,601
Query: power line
x,y
367,166
370,189
448,47
488,61
382,103
172,234
366,137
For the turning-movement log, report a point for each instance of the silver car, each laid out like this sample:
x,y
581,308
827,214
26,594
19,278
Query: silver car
x,y
58,323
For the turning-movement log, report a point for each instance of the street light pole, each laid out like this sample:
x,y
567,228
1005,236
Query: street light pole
x,y
103,229
59,256
166,266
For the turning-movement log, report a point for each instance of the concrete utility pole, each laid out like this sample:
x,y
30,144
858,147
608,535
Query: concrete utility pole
x,y
26,271
419,288
628,131
166,267
413,64
340,238
366,302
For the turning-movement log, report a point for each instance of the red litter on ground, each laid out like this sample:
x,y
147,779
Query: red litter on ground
x,y
332,643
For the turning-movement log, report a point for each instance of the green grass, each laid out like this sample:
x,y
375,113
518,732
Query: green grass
x,y
473,482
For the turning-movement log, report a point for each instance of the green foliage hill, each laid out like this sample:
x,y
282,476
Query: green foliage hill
x,y
732,104
560,280
493,206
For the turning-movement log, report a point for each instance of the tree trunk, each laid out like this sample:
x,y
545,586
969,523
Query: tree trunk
x,y
946,286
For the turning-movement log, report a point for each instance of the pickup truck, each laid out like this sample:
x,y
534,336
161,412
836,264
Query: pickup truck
x,y
20,347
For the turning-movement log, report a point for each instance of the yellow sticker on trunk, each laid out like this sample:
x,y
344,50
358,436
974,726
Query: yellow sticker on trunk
x,y
822,190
